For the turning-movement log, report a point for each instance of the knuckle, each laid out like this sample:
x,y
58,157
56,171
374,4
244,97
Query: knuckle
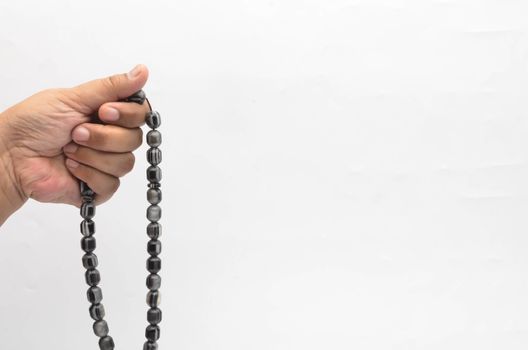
x,y
98,136
113,186
127,164
139,116
110,82
138,138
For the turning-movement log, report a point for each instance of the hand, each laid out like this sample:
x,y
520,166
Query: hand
x,y
49,143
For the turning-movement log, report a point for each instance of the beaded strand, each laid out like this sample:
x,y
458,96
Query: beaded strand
x,y
88,242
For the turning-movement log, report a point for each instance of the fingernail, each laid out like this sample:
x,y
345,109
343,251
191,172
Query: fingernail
x,y
70,163
81,134
111,114
134,72
70,148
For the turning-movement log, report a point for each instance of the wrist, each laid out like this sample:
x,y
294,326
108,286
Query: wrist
x,y
11,195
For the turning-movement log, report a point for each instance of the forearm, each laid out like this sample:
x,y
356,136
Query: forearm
x,y
11,198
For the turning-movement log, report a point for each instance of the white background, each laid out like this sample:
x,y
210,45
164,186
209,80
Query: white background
x,y
342,174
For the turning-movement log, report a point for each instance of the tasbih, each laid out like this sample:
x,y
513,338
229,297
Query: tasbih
x,y
90,261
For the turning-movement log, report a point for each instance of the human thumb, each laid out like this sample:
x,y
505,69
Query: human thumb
x,y
94,93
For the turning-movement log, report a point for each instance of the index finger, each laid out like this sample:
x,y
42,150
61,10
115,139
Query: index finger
x,y
125,114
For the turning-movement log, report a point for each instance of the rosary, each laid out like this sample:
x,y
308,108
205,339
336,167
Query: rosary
x,y
89,260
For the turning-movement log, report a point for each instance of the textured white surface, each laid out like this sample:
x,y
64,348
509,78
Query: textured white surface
x,y
337,175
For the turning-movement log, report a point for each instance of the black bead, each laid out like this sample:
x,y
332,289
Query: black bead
x,y
87,227
154,247
150,346
154,156
153,281
92,277
154,138
154,173
88,210
97,312
153,298
152,333
86,192
138,97
154,230
154,185
106,343
153,213
95,295
153,264
90,261
100,328
154,195
154,316
153,119
88,244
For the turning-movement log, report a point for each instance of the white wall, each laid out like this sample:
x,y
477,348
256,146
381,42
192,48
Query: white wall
x,y
347,174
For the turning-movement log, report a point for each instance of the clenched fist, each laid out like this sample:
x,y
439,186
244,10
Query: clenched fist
x,y
48,144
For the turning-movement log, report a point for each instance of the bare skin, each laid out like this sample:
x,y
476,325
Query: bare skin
x,y
47,143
